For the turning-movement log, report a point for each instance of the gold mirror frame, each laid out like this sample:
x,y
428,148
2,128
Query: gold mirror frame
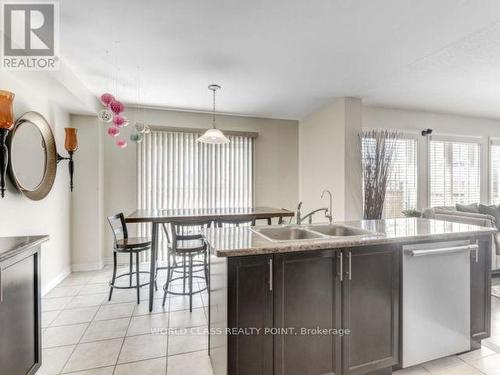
x,y
49,173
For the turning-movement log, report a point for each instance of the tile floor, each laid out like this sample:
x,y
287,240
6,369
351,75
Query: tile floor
x,y
84,334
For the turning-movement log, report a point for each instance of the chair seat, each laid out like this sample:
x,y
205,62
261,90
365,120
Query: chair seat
x,y
189,246
133,243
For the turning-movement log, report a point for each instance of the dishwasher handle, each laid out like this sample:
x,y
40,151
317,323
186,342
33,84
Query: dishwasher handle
x,y
443,250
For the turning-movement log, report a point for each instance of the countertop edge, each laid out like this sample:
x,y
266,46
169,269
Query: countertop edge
x,y
286,247
31,241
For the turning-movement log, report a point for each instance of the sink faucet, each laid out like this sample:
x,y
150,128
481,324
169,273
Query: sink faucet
x,y
328,215
328,211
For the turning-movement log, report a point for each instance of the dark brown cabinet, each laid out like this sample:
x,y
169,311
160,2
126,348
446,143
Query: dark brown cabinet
x,y
307,297
480,298
20,328
250,307
370,309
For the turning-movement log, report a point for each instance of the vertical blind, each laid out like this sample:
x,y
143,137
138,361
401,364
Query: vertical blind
x,y
454,172
495,172
401,190
176,172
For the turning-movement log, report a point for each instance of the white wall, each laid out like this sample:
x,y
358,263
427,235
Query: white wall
x,y
276,161
442,124
329,158
21,216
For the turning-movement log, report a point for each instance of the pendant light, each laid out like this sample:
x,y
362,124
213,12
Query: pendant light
x,y
213,136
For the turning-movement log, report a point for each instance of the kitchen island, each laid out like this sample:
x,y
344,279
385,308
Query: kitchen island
x,y
330,299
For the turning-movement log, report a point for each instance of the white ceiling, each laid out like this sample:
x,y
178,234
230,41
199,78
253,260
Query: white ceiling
x,y
286,58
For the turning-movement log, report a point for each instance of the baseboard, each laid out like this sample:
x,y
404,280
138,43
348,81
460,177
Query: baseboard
x,y
121,259
83,267
55,281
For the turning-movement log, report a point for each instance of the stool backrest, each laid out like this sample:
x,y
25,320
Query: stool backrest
x,y
234,222
118,226
188,229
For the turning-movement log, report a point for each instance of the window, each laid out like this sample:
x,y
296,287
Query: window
x,y
454,172
401,190
495,172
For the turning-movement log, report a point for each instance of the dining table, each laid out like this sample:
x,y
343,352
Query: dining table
x,y
157,217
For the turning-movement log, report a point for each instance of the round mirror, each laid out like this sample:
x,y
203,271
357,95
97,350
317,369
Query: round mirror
x,y
33,157
28,155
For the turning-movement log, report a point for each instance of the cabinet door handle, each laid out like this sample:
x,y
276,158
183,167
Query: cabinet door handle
x,y
349,270
341,267
271,275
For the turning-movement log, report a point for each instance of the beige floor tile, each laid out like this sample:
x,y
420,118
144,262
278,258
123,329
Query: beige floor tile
x,y
99,288
188,319
48,317
75,316
489,365
140,325
53,359
143,308
98,371
115,311
157,366
64,291
52,304
476,354
94,354
184,343
87,301
63,335
137,348
415,370
178,303
121,296
106,329
197,363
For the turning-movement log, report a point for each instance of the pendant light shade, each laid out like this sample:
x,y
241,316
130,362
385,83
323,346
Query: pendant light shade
x,y
213,136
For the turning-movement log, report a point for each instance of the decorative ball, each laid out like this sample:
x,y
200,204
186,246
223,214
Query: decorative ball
x,y
125,121
118,120
105,115
136,137
116,106
140,127
147,129
106,99
113,131
122,143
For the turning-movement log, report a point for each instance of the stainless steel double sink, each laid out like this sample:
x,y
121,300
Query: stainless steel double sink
x,y
309,232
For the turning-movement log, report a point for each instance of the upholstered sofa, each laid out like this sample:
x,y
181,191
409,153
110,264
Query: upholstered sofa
x,y
450,213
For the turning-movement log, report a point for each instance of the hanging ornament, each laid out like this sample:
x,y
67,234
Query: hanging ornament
x,y
147,130
113,131
140,127
117,107
106,99
136,137
118,120
122,143
125,121
105,115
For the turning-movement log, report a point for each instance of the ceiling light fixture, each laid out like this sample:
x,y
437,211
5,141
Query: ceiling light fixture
x,y
213,136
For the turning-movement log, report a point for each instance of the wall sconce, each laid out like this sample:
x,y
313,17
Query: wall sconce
x,y
6,123
71,145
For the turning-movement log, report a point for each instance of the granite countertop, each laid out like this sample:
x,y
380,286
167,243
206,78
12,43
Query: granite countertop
x,y
10,246
237,241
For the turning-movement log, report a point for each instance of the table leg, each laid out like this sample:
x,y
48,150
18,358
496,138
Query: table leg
x,y
152,270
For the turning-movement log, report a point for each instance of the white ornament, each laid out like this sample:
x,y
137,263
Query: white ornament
x,y
105,115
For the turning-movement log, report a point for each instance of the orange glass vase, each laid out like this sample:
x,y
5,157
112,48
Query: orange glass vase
x,y
6,113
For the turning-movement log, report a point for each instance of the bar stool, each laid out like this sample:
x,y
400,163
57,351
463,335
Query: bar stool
x,y
187,245
236,222
124,244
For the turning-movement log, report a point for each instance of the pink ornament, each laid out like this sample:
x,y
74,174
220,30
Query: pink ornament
x,y
106,99
122,143
117,107
119,120
113,131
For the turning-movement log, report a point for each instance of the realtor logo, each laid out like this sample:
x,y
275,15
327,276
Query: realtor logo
x,y
30,36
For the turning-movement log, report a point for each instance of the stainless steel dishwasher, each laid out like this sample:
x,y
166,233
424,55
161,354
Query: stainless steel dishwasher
x,y
436,300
